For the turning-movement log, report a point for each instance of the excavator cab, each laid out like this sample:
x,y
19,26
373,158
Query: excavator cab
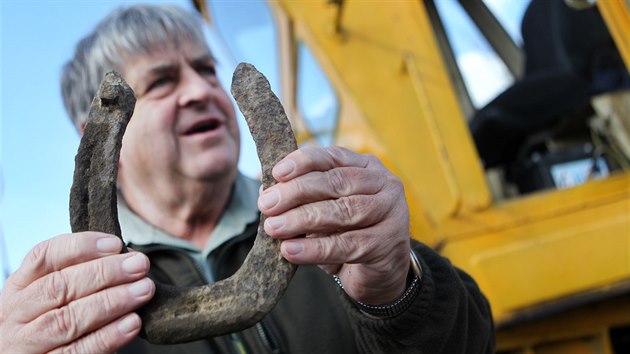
x,y
538,130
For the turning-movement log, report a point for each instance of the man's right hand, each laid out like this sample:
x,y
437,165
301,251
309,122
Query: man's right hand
x,y
74,293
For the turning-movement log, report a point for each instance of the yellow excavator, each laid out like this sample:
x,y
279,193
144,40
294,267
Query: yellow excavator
x,y
526,186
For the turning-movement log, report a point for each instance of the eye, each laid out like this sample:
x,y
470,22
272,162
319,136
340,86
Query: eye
x,y
207,70
160,82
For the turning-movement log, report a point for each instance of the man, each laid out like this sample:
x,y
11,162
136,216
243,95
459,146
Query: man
x,y
183,204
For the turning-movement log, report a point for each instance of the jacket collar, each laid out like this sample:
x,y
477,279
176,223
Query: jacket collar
x,y
242,210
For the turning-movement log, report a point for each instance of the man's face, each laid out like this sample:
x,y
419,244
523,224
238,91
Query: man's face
x,y
184,124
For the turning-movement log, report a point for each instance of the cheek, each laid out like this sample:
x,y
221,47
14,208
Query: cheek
x,y
131,137
129,145
226,106
151,120
224,102
142,131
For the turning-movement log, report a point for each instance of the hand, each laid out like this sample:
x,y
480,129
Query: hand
x,y
353,213
74,293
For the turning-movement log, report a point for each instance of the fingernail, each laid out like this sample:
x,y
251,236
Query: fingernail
x,y
141,288
276,222
269,200
292,248
284,168
135,264
109,245
129,324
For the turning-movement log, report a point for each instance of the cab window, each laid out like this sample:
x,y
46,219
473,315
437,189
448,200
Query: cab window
x,y
316,99
509,14
484,74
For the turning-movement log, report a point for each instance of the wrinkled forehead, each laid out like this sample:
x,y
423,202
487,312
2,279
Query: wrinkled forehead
x,y
138,69
169,52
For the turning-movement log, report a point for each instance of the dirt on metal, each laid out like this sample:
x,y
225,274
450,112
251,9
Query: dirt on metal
x,y
177,315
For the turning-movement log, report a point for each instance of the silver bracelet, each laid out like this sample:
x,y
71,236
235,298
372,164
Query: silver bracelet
x,y
402,303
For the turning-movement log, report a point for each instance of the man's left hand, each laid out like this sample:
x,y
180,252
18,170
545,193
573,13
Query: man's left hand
x,y
354,216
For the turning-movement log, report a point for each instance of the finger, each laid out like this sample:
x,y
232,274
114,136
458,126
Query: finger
x,y
331,269
108,339
68,323
371,264
334,249
316,186
60,252
312,158
61,287
357,211
375,246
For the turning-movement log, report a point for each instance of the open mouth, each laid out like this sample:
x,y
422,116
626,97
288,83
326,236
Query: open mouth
x,y
203,127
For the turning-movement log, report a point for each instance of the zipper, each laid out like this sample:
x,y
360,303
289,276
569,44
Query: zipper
x,y
185,257
264,337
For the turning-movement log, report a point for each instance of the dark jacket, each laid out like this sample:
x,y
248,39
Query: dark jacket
x,y
449,315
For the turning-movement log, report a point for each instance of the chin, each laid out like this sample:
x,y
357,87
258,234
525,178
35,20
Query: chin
x,y
217,170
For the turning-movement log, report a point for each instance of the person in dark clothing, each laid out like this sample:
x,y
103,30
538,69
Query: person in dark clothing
x,y
364,286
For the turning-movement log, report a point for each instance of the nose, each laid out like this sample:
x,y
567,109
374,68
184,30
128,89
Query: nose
x,y
196,89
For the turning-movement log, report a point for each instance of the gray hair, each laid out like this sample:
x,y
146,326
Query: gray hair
x,y
139,29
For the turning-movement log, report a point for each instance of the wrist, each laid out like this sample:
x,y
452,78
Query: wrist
x,y
399,305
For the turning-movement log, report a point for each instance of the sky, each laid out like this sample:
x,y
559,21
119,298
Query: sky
x,y
37,141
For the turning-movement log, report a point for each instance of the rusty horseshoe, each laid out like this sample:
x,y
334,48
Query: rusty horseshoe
x,y
177,315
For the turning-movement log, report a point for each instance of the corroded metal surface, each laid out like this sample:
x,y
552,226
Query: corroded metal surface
x,y
93,193
178,315
236,303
